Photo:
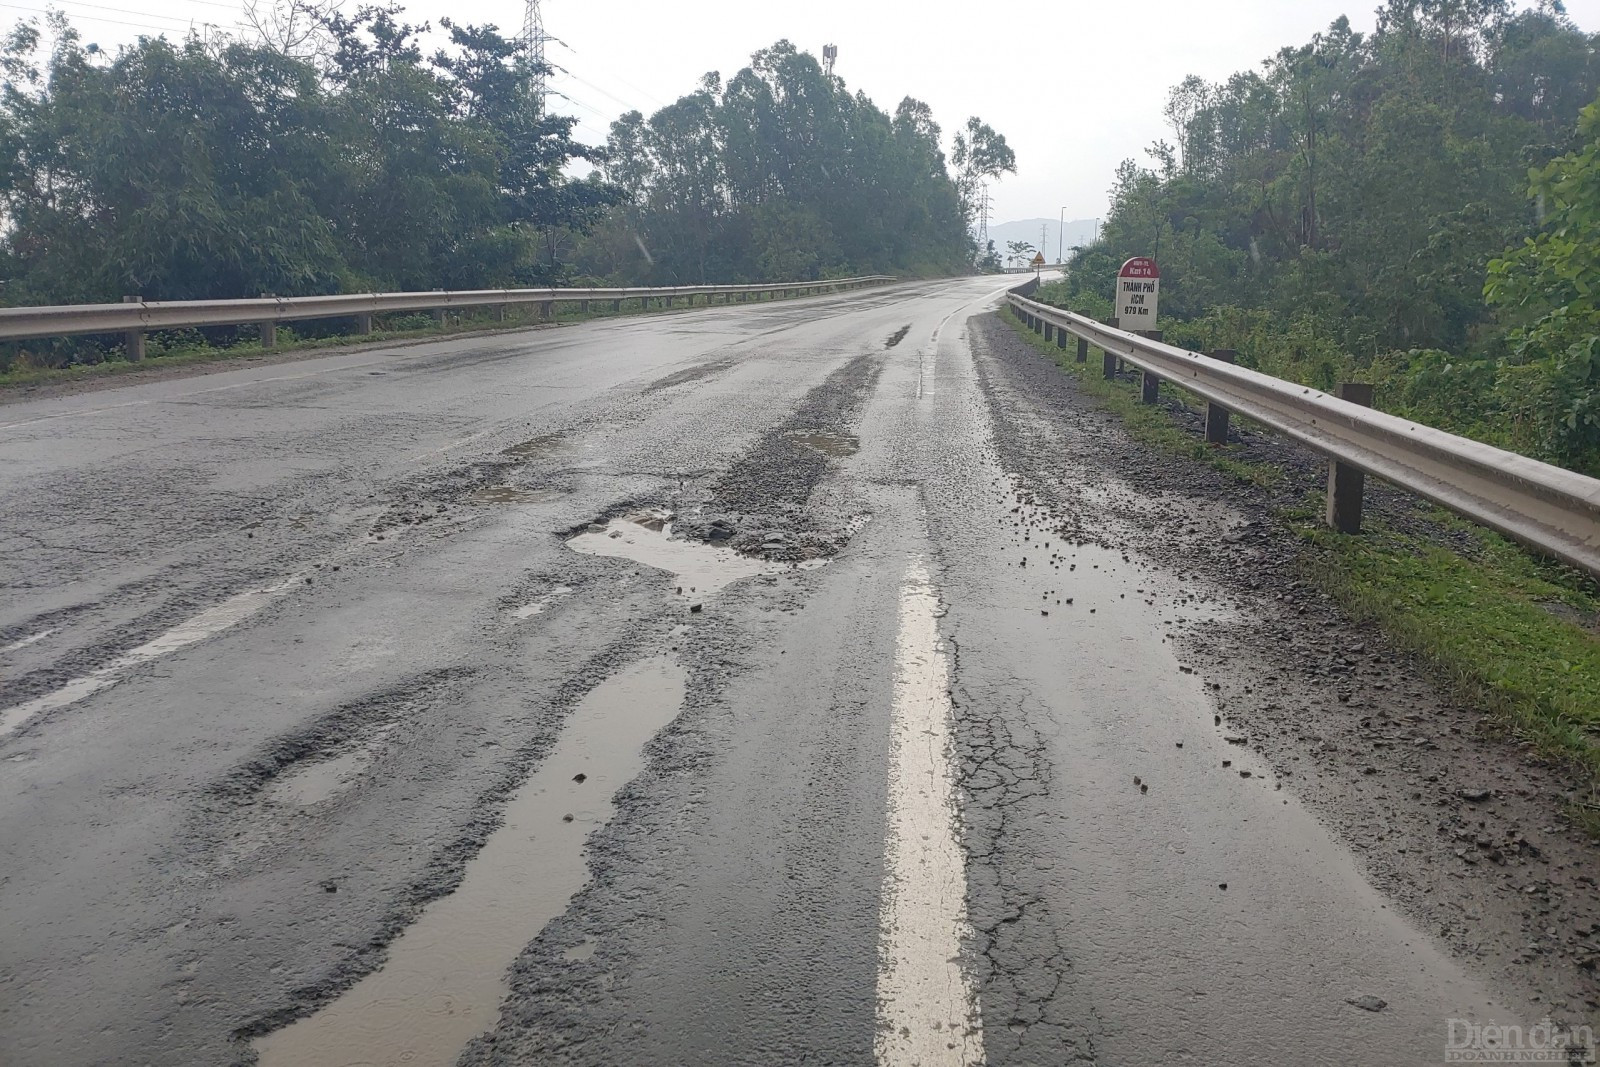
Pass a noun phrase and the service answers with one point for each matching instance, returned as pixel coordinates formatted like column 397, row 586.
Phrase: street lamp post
column 1061, row 228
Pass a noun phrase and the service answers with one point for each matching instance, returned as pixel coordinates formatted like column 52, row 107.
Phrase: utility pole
column 532, row 42
column 1044, row 236
column 1061, row 230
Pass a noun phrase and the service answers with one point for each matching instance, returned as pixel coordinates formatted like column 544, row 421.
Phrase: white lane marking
column 212, row 621
column 26, row 641
column 927, row 1008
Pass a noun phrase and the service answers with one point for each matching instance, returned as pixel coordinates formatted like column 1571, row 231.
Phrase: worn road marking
column 927, row 1009
column 26, row 641
column 212, row 621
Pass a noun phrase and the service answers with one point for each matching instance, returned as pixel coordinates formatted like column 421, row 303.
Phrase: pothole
column 445, row 975
column 534, row 607
column 701, row 569
column 535, row 447
column 828, row 443
column 510, row 494
column 316, row 782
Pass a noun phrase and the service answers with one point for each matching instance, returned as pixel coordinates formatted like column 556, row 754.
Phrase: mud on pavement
column 1448, row 816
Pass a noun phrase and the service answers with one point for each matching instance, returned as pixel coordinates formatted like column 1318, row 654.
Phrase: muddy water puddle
column 535, row 447
column 316, row 782
column 446, row 974
column 837, row 445
column 534, row 607
column 510, row 494
column 701, row 568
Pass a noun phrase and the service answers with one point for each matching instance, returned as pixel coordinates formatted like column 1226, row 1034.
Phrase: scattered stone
column 580, row 777
column 567, row 817
column 1368, row 1003
column 695, row 609
column 1474, row 796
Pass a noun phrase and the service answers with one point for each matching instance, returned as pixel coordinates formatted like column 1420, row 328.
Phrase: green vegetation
column 782, row 173
column 334, row 156
column 1506, row 632
column 1337, row 216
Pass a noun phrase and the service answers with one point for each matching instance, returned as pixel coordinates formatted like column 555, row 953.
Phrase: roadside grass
column 1502, row 629
column 186, row 347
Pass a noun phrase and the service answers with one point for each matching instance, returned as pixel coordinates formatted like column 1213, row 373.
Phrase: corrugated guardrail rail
column 134, row 316
column 1548, row 508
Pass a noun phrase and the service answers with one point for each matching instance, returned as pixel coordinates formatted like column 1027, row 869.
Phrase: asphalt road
column 694, row 689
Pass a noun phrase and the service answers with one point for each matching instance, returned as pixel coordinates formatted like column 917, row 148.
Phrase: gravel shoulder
column 1457, row 822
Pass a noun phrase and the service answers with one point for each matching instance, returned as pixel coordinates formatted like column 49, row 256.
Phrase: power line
column 625, row 103
column 125, row 11
column 116, row 22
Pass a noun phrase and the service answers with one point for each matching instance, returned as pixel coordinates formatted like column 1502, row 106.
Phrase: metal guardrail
column 1549, row 509
column 134, row 316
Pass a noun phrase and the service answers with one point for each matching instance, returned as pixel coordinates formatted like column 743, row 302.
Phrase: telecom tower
column 983, row 218
column 830, row 53
column 532, row 42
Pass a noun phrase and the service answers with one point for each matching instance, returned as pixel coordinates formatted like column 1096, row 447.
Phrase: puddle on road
column 446, row 974
column 320, row 781
column 534, row 607
column 702, row 569
column 535, row 447
column 510, row 494
column 838, row 445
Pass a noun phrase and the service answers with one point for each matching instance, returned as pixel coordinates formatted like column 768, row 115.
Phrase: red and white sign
column 1138, row 290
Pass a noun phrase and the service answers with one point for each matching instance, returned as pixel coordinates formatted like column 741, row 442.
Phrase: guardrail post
column 1346, row 484
column 583, row 307
column 1083, row 350
column 133, row 340
column 1216, row 414
column 364, row 323
column 616, row 305
column 268, row 330
column 1061, row 337
column 499, row 313
column 1049, row 331
column 547, row 310
column 1110, row 363
column 1149, row 384
column 439, row 313
column 669, row 301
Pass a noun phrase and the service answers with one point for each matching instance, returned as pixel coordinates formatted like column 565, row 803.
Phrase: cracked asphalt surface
column 282, row 643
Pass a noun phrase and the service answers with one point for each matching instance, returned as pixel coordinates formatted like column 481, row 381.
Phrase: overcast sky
column 1075, row 85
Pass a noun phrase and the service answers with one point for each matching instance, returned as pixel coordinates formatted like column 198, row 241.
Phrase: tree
column 197, row 169
column 778, row 171
column 1551, row 286
column 979, row 153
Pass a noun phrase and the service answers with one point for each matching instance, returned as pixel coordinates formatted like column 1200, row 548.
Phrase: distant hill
column 1075, row 232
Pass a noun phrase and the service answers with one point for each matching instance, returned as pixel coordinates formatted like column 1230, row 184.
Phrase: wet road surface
column 701, row 688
